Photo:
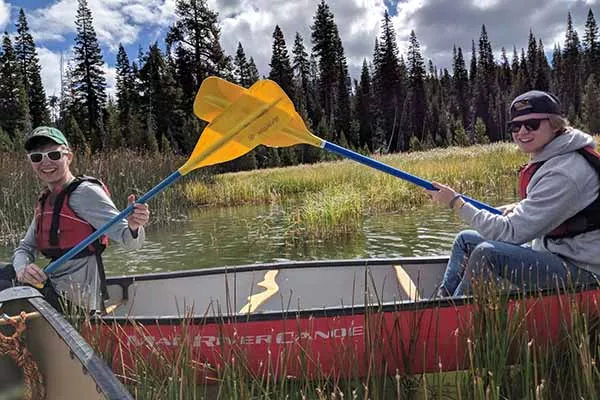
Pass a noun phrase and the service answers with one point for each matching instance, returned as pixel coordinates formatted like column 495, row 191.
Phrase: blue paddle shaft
column 334, row 148
column 123, row 214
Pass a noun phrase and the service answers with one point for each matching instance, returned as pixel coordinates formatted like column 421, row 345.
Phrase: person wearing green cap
column 553, row 233
column 67, row 211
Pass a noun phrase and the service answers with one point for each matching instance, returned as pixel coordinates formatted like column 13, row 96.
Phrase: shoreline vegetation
column 331, row 198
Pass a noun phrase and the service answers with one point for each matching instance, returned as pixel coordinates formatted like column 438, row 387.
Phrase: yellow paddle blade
column 253, row 116
column 216, row 95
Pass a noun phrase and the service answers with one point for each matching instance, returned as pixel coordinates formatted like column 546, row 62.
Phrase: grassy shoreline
column 332, row 197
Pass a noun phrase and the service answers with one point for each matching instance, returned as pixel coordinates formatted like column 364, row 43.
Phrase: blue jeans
column 474, row 258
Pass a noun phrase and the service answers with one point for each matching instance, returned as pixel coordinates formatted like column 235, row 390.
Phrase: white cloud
column 115, row 21
column 110, row 74
column 4, row 13
column 50, row 62
column 441, row 24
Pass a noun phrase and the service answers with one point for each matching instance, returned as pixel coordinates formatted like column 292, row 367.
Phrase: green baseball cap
column 45, row 132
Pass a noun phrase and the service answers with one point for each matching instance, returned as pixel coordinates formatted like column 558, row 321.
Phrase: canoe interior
column 275, row 288
column 69, row 367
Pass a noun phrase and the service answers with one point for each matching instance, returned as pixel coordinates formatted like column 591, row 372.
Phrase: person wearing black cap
column 67, row 211
column 553, row 233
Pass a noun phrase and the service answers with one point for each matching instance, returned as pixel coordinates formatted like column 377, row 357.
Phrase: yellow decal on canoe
column 406, row 283
column 258, row 299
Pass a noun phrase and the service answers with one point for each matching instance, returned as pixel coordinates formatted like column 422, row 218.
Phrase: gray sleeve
column 26, row 251
column 91, row 203
column 552, row 200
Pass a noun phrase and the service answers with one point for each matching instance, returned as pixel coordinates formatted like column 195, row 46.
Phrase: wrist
column 458, row 204
column 454, row 200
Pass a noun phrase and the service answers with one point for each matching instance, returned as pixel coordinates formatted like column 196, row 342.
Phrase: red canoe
column 336, row 318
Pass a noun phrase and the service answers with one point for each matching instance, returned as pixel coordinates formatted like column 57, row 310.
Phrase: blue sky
column 439, row 25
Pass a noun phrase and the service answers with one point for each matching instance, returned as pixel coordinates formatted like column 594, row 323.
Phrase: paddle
column 216, row 96
column 252, row 115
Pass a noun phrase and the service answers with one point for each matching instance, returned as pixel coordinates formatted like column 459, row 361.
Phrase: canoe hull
column 391, row 330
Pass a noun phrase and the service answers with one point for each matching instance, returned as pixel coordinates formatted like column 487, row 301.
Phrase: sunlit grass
column 477, row 171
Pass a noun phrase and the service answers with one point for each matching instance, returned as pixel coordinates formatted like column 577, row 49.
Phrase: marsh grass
column 123, row 171
column 332, row 198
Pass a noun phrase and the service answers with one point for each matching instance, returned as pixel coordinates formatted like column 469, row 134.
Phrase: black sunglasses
column 53, row 155
column 532, row 124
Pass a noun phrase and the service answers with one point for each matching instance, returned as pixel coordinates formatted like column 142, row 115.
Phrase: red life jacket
column 585, row 220
column 58, row 228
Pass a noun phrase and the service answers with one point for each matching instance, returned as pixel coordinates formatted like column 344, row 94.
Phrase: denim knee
column 480, row 258
column 467, row 237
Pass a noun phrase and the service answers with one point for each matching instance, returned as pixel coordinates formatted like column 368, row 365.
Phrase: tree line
column 399, row 103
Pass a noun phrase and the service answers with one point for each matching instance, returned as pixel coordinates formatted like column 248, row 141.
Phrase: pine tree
column 572, row 80
column 303, row 85
column 252, row 72
column 195, row 37
column 416, row 78
column 486, row 88
column 542, row 75
column 125, row 98
column 241, row 71
column 88, row 77
column 532, row 59
column 27, row 58
column 324, row 35
column 281, row 69
column 524, row 77
column 591, row 105
column 343, row 112
column 389, row 87
column 473, row 66
column 557, row 72
column 364, row 108
column 161, row 104
column 461, row 86
column 591, row 47
column 15, row 120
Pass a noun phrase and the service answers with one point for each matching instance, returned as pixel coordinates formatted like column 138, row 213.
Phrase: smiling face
column 530, row 140
column 53, row 173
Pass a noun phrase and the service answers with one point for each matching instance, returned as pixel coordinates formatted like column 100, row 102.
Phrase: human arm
column 92, row 204
column 552, row 200
column 24, row 257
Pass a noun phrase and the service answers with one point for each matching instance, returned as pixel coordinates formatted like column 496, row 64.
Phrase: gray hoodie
column 564, row 185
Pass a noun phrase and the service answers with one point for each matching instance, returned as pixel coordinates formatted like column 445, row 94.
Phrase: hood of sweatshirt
column 571, row 140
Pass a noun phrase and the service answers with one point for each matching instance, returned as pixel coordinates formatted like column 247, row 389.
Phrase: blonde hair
column 558, row 123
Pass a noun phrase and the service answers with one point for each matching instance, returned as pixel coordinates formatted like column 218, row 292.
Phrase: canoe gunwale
column 331, row 312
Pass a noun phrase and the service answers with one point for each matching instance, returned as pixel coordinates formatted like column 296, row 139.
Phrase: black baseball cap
column 534, row 102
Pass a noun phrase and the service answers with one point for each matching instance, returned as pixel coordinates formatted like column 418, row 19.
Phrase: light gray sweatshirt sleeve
column 26, row 252
column 91, row 203
column 555, row 199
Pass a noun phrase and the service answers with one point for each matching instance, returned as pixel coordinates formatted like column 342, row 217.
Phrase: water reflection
column 257, row 234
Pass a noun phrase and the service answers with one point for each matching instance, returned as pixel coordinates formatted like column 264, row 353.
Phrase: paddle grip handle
column 123, row 214
column 334, row 148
